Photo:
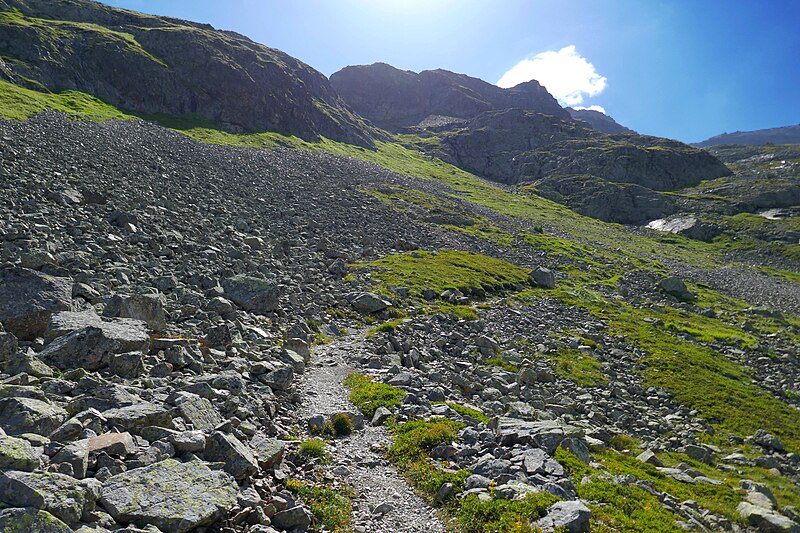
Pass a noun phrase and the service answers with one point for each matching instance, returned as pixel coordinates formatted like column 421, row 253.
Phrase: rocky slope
column 157, row 65
column 783, row 135
column 395, row 99
column 598, row 121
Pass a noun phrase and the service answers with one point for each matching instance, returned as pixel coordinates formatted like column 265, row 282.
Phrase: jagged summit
column 598, row 121
column 395, row 99
column 160, row 65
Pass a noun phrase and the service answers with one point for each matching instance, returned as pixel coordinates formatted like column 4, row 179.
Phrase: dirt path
column 374, row 478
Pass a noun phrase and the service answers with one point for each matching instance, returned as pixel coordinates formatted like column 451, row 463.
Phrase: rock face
column 149, row 64
column 196, row 496
column 394, row 99
column 28, row 298
column 598, row 121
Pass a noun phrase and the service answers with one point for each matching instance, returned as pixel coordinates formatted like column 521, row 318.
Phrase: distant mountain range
column 782, row 135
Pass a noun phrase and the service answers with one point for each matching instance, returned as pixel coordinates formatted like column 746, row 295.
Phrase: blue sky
column 681, row 69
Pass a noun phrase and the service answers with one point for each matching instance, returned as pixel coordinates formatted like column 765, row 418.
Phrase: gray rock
column 675, row 286
column 146, row 307
column 572, row 516
column 127, row 365
column 368, row 302
column 17, row 454
column 698, row 453
column 176, row 497
column 269, row 451
column 199, row 412
column 28, row 363
column 252, row 294
column 295, row 519
column 30, row 520
column 28, row 415
column 114, row 444
column 92, row 346
column 135, row 417
column 765, row 520
column 29, row 298
column 544, row 277
column 188, row 441
column 649, row 457
column 280, row 379
column 238, row 459
column 767, row 440
column 75, row 454
column 8, row 345
column 63, row 496
column 576, row 446
column 380, row 416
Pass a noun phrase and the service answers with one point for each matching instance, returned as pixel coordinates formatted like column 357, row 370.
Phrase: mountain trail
column 378, row 484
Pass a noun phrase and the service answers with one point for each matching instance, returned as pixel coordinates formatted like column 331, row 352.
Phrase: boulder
column 8, row 345
column 280, row 379
column 18, row 454
column 63, row 496
column 29, row 415
column 115, row 444
column 767, row 440
column 28, row 299
column 269, row 451
column 295, row 519
column 238, row 459
column 766, row 520
column 368, row 303
column 173, row 496
column 135, row 417
column 649, row 457
column 566, row 516
column 31, row 520
column 675, row 286
column 198, row 411
column 252, row 294
column 75, row 454
column 146, row 307
column 543, row 277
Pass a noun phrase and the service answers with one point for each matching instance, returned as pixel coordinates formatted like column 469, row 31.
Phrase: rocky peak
column 394, row 99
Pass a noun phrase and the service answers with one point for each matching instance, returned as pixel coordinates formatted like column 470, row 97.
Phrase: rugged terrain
column 783, row 135
column 256, row 332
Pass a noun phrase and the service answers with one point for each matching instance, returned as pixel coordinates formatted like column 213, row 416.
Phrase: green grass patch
column 463, row 410
column 331, row 507
column 312, row 448
column 19, row 103
column 367, row 395
column 582, row 368
column 470, row 273
column 499, row 362
column 502, row 516
column 413, row 440
column 459, row 312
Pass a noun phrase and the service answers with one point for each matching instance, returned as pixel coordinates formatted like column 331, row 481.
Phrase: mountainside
column 783, row 135
column 395, row 99
column 157, row 65
column 248, row 332
column 598, row 121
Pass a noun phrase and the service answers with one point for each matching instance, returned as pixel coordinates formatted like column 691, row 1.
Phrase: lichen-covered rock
column 269, row 451
column 30, row 520
column 173, row 496
column 367, row 302
column 28, row 299
column 63, row 496
column 199, row 412
column 17, row 454
column 568, row 516
column 29, row 415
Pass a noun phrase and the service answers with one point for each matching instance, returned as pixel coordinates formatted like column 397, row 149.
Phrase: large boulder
column 31, row 520
column 252, row 294
column 173, row 496
column 28, row 299
column 29, row 415
column 147, row 307
column 18, row 454
column 566, row 516
column 367, row 302
column 239, row 460
column 63, row 496
column 88, row 341
column 134, row 418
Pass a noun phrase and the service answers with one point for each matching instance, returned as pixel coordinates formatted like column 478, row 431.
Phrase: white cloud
column 591, row 108
column 566, row 74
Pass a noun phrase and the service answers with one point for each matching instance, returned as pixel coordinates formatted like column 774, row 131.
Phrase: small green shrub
column 463, row 410
column 413, row 440
column 342, row 424
column 312, row 448
column 622, row 442
column 332, row 507
column 499, row 362
column 367, row 395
